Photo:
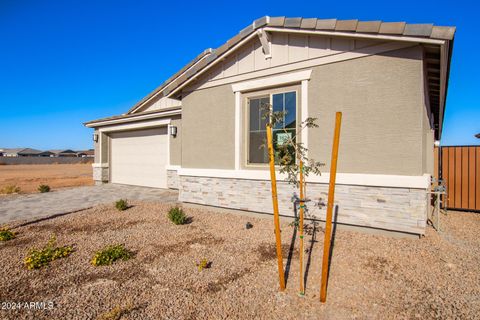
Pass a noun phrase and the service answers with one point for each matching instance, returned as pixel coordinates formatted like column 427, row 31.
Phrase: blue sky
column 66, row 62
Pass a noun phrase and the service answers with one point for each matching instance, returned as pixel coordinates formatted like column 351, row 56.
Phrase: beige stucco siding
column 208, row 118
column 428, row 144
column 176, row 143
column 96, row 147
column 381, row 100
column 382, row 131
column 101, row 147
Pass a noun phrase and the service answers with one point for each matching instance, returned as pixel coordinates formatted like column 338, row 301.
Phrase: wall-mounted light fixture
column 95, row 137
column 436, row 143
column 173, row 131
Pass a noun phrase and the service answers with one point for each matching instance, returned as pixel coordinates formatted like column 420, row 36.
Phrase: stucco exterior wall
column 176, row 142
column 96, row 148
column 101, row 147
column 381, row 99
column 208, row 118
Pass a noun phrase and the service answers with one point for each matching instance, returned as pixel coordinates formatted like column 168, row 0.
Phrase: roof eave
column 133, row 117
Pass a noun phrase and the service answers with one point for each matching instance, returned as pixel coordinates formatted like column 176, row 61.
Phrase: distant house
column 46, row 154
column 8, row 152
column 21, row 152
column 64, row 153
column 86, row 154
column 29, row 152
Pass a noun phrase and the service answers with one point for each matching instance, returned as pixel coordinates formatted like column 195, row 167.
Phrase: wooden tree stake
column 276, row 219
column 300, row 228
column 331, row 194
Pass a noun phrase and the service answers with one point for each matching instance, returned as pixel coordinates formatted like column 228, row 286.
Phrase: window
column 285, row 102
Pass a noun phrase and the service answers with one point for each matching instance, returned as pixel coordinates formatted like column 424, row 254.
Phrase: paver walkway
column 38, row 205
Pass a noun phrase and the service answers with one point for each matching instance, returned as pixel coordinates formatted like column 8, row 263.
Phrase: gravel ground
column 372, row 277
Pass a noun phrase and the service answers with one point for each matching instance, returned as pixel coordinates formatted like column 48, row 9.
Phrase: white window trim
column 247, row 126
column 284, row 79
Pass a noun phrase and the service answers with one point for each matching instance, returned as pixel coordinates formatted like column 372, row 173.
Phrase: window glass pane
column 254, row 112
column 290, row 109
column 264, row 102
column 256, row 154
column 278, row 106
column 282, row 102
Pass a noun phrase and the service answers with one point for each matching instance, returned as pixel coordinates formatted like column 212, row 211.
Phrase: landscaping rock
column 371, row 276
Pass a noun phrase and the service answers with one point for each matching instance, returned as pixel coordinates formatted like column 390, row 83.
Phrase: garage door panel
column 140, row 157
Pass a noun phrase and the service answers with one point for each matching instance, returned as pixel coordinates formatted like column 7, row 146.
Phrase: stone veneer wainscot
column 399, row 209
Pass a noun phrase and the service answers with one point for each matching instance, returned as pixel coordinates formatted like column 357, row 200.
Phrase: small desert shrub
column 203, row 264
column 40, row 258
column 43, row 188
column 110, row 254
column 10, row 189
column 117, row 312
column 121, row 204
column 6, row 234
column 177, row 216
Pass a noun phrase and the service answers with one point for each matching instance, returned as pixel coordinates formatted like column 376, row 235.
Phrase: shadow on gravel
column 50, row 217
column 332, row 242
column 312, row 231
column 292, row 247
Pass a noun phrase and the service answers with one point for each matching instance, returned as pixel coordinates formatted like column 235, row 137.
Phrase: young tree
column 292, row 157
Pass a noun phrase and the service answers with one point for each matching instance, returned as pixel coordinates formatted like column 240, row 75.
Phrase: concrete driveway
column 40, row 205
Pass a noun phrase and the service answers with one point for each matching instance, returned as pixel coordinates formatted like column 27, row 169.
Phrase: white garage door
column 139, row 157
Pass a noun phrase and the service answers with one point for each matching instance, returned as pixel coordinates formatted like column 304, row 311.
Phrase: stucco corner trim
column 282, row 79
column 359, row 179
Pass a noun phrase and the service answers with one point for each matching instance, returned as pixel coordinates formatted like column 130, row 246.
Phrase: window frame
column 246, row 118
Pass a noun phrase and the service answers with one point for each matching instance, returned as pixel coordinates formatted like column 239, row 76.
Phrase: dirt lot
column 29, row 177
column 372, row 277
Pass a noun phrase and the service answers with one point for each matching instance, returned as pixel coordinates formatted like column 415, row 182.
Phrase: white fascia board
column 360, row 179
column 282, row 79
column 136, row 125
column 359, row 35
column 140, row 117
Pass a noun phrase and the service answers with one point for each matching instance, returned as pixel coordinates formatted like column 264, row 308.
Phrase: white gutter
column 443, row 85
column 136, row 118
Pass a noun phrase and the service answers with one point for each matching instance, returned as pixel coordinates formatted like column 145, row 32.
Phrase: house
column 11, row 152
column 64, row 153
column 21, row 152
column 46, row 154
column 200, row 131
column 86, row 153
